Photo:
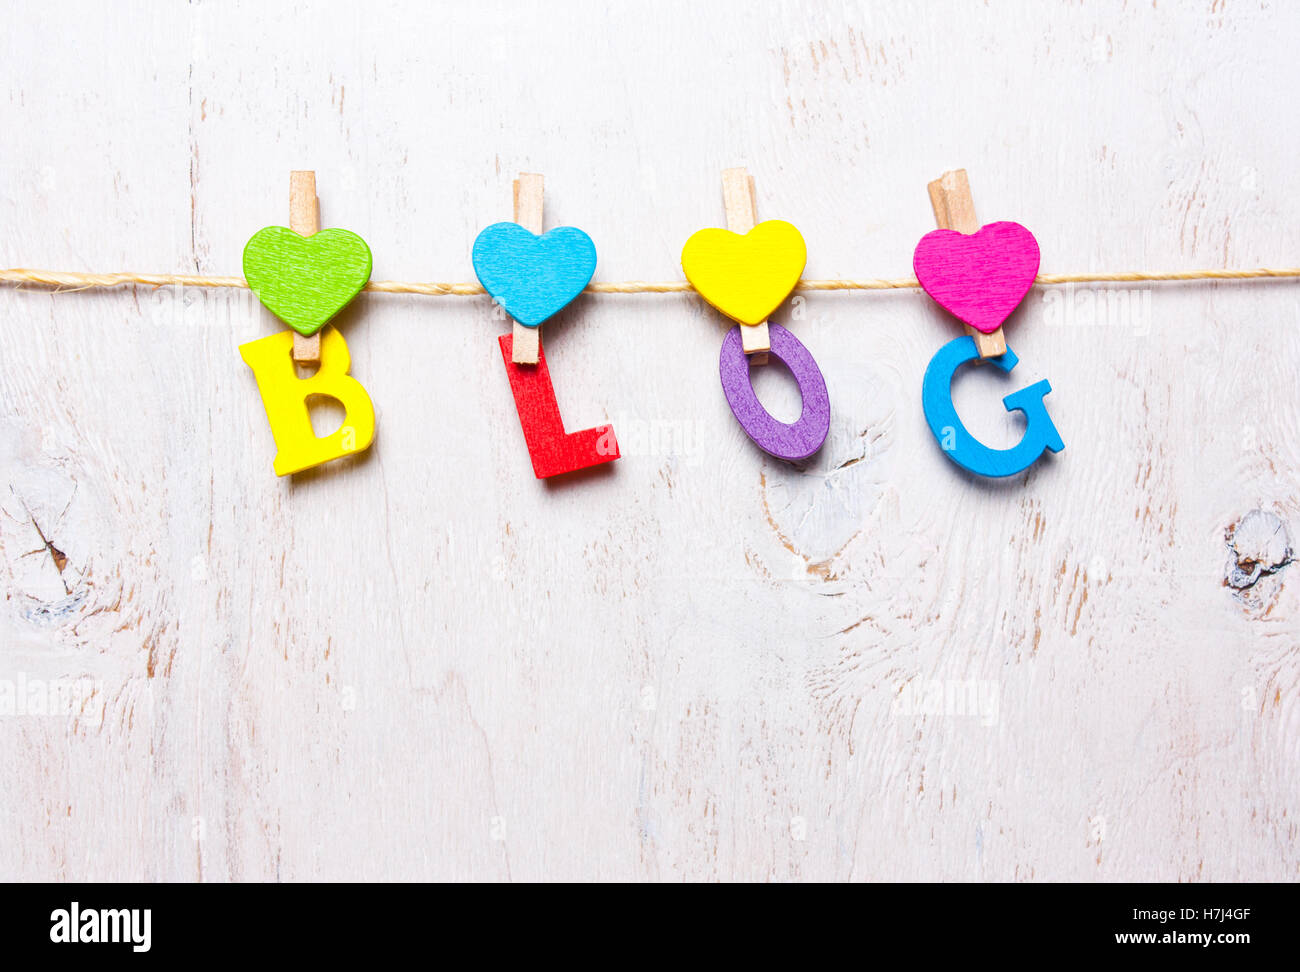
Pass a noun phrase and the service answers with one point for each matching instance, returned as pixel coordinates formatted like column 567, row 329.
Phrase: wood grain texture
column 705, row 664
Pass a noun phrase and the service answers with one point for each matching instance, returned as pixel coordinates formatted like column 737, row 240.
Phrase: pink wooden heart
column 979, row 278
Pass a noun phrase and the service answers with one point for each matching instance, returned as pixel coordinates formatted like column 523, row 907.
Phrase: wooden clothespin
column 304, row 219
column 954, row 209
column 529, row 193
column 740, row 202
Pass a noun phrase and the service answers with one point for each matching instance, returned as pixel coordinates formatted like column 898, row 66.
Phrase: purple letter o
column 790, row 442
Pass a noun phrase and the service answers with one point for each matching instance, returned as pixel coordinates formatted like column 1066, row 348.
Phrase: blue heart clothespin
column 533, row 277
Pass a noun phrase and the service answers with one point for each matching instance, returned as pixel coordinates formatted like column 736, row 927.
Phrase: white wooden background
column 702, row 664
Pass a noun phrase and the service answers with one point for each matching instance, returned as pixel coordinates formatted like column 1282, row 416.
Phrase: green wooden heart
column 306, row 280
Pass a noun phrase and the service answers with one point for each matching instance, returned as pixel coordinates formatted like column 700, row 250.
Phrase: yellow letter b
column 285, row 395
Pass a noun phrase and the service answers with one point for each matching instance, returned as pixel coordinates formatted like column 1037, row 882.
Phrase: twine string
column 65, row 281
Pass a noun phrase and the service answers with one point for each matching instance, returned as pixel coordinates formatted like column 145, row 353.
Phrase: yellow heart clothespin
column 746, row 270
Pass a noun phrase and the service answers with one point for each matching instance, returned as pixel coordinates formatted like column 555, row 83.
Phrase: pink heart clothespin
column 980, row 274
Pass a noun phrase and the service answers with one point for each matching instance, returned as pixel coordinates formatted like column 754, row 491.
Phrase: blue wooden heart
column 533, row 277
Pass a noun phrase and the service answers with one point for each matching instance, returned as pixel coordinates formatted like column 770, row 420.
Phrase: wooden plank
column 304, row 219
column 954, row 209
column 470, row 674
column 529, row 195
column 741, row 205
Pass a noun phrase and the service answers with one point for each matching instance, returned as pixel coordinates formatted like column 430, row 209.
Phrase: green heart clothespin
column 302, row 274
column 305, row 277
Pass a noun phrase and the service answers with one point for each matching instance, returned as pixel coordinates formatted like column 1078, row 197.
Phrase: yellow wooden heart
column 746, row 277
